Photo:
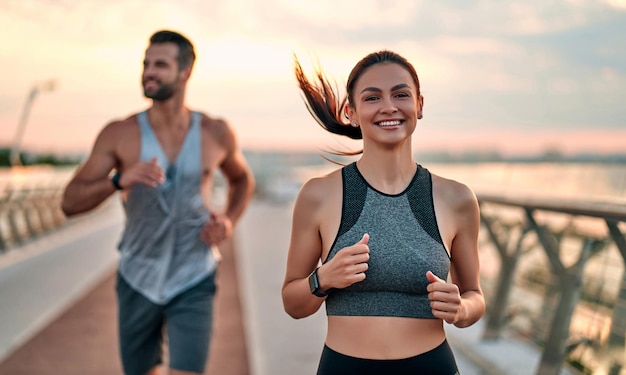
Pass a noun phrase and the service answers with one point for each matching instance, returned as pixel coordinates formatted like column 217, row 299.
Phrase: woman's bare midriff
column 377, row 337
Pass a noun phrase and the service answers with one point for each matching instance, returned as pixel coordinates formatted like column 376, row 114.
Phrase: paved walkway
column 83, row 340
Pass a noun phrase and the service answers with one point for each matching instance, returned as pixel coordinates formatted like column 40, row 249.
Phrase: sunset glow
column 494, row 75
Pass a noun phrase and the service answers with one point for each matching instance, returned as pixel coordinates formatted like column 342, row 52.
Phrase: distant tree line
column 31, row 158
column 312, row 158
column 548, row 156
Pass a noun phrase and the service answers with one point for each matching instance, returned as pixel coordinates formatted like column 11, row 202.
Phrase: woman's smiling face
column 385, row 103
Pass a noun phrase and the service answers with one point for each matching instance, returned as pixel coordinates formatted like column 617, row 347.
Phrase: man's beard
column 164, row 92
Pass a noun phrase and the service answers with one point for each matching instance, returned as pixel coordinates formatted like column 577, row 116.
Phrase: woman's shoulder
column 453, row 191
column 319, row 188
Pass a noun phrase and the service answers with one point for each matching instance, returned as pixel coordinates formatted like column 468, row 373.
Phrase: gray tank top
column 404, row 244
column 161, row 251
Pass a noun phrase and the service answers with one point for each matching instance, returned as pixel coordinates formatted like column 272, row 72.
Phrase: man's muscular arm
column 240, row 183
column 90, row 185
column 240, row 188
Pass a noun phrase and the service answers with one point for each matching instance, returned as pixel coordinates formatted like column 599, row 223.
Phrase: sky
column 516, row 77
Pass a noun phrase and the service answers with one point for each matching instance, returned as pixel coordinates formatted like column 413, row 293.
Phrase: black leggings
column 438, row 361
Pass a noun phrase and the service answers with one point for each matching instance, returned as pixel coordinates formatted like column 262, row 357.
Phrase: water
column 571, row 180
column 34, row 177
column 586, row 181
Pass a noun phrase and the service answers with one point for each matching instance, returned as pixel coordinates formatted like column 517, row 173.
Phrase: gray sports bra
column 404, row 244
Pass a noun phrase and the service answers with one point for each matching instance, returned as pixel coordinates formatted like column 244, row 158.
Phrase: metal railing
column 26, row 213
column 554, row 257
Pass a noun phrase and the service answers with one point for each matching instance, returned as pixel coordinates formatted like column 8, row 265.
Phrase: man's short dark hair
column 186, row 54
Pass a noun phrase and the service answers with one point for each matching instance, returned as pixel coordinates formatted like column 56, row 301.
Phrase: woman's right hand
column 347, row 267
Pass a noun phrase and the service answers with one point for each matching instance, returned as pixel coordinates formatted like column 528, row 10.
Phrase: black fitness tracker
column 116, row 181
column 314, row 285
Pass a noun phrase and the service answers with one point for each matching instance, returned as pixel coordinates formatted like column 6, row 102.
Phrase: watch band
column 116, row 181
column 314, row 285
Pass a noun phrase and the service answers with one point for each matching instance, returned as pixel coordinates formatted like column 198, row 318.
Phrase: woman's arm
column 305, row 249
column 465, row 266
column 461, row 302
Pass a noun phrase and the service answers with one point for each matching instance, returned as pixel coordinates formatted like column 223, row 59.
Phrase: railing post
column 617, row 333
column 3, row 242
column 497, row 316
column 30, row 215
column 14, row 210
column 569, row 282
column 57, row 215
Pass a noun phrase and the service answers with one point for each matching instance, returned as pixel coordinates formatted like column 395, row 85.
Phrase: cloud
column 488, row 65
column 618, row 4
column 347, row 15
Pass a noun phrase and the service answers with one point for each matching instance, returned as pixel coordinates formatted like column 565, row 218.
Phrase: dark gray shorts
column 185, row 322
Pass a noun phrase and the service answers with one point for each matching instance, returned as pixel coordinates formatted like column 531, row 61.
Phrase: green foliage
column 5, row 157
column 28, row 158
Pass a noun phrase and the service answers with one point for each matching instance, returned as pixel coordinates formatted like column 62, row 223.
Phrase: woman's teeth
column 389, row 123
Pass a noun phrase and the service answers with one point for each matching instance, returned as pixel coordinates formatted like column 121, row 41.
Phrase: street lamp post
column 15, row 148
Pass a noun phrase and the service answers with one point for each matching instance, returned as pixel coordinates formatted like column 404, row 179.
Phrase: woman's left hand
column 445, row 299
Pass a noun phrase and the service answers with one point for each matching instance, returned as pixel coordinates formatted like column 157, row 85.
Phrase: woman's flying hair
column 325, row 105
